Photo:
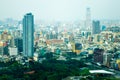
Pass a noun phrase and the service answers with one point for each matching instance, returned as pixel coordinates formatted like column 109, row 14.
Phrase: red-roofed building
column 54, row 41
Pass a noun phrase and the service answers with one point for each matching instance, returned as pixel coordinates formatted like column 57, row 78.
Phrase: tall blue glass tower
column 28, row 35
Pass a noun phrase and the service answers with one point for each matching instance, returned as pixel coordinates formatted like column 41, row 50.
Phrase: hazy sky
column 60, row 9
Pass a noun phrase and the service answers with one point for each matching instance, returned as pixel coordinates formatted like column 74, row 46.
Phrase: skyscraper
column 88, row 19
column 28, row 35
column 96, row 27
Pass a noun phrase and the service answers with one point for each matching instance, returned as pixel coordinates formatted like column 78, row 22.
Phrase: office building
column 103, row 28
column 19, row 44
column 98, row 55
column 88, row 19
column 28, row 35
column 96, row 27
column 78, row 47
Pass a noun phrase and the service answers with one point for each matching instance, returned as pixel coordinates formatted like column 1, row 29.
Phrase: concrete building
column 98, row 55
column 106, row 59
column 13, row 51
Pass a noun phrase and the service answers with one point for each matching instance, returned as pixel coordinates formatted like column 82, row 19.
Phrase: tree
column 84, row 72
column 6, row 77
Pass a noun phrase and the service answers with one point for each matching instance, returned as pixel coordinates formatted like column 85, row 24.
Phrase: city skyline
column 60, row 10
column 60, row 40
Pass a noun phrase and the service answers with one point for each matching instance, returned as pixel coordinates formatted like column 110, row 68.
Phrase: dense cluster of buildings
column 101, row 39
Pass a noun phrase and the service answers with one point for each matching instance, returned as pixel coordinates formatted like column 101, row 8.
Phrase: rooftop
column 100, row 72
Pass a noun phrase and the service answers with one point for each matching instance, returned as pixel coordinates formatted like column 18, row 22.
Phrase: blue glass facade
column 28, row 35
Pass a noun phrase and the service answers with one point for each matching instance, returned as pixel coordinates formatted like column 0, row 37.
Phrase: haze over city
column 60, row 10
column 59, row 40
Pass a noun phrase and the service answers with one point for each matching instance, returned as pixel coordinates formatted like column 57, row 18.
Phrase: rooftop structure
column 101, row 72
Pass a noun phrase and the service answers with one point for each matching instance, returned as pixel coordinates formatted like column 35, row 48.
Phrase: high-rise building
column 96, row 27
column 19, row 44
column 98, row 55
column 88, row 19
column 28, row 35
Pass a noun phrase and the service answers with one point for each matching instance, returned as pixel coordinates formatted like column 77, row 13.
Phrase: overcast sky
column 60, row 9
